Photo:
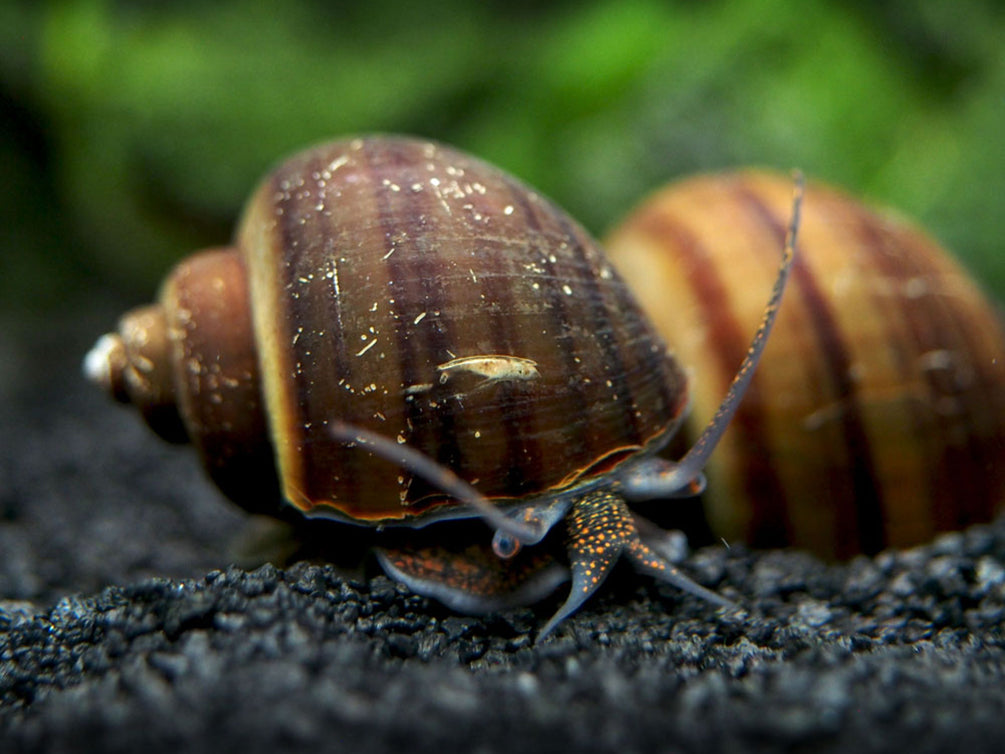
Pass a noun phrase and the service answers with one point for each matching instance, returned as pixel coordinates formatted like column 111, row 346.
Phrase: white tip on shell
column 98, row 361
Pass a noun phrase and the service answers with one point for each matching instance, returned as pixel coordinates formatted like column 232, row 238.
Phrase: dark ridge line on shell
column 978, row 460
column 290, row 228
column 868, row 527
column 438, row 431
column 522, row 464
column 962, row 496
column 341, row 359
column 524, row 458
column 770, row 524
column 644, row 336
column 863, row 225
column 559, row 312
column 604, row 330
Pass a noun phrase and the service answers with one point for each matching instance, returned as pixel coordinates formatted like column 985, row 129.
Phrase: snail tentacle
column 440, row 476
column 651, row 478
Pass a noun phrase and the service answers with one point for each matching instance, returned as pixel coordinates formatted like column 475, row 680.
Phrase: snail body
column 401, row 334
column 877, row 417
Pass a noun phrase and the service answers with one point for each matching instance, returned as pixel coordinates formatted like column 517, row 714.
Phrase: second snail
column 877, row 416
column 403, row 336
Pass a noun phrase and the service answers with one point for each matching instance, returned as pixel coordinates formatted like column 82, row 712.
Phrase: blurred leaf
column 149, row 123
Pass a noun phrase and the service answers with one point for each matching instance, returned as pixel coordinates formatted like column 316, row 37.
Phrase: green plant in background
column 135, row 131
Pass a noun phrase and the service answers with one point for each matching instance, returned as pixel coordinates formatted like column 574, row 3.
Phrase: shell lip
column 410, row 520
column 439, row 508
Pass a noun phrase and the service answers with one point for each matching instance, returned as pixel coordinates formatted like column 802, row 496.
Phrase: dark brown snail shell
column 877, row 416
column 403, row 287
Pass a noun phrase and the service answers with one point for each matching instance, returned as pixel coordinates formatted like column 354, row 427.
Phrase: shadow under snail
column 403, row 334
column 877, row 417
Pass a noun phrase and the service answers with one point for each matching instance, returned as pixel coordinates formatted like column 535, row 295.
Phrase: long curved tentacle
column 440, row 476
column 658, row 478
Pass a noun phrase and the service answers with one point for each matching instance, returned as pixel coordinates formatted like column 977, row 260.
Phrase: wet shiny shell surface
column 877, row 415
column 411, row 289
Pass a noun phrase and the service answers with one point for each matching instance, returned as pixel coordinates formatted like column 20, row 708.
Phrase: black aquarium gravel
column 124, row 626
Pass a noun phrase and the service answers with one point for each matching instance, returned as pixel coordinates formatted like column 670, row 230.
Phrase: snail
column 877, row 417
column 403, row 335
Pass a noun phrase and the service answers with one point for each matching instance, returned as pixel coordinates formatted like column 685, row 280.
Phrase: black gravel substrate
column 123, row 626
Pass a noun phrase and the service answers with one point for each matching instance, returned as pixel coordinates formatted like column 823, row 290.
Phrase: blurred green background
column 133, row 131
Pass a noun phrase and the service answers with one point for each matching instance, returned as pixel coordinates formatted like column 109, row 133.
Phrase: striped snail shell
column 393, row 299
column 877, row 417
column 403, row 287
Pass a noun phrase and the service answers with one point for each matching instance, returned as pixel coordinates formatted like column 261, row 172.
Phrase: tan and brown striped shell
column 404, row 287
column 877, row 416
